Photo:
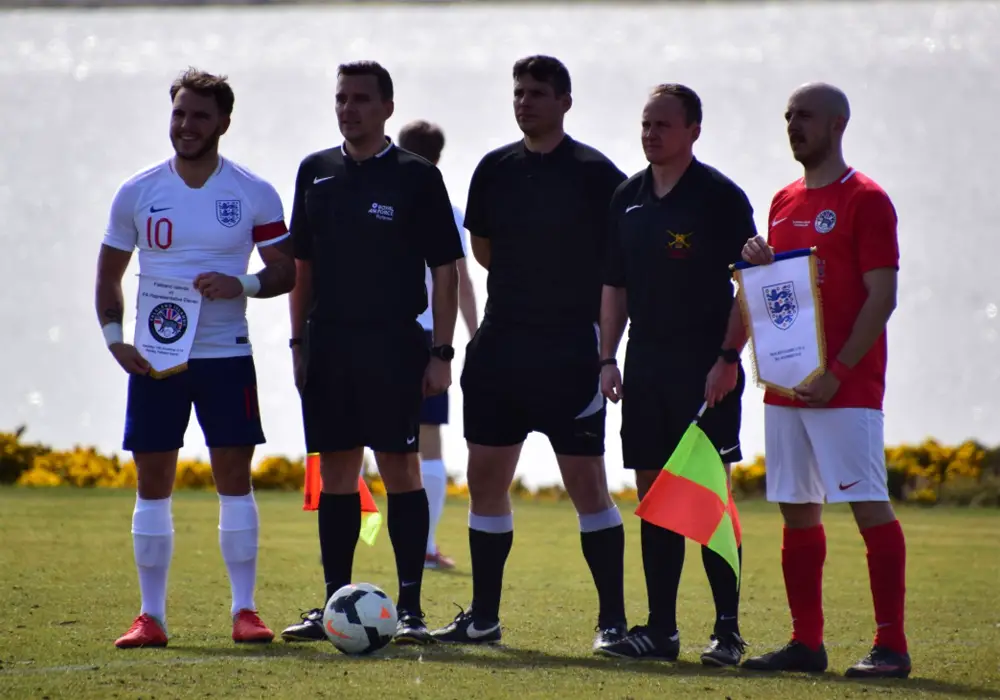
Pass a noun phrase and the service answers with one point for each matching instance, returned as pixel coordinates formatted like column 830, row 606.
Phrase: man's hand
column 756, row 251
column 721, row 380
column 214, row 285
column 611, row 383
column 819, row 391
column 129, row 358
column 437, row 377
column 299, row 368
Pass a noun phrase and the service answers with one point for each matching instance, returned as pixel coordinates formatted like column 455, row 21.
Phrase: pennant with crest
column 782, row 311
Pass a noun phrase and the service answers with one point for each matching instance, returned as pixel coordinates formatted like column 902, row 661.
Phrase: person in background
column 427, row 140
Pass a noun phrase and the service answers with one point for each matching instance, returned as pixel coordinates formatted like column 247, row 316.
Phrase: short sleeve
column 874, row 225
column 737, row 224
column 460, row 225
column 771, row 216
column 299, row 224
column 439, row 237
column 121, row 232
column 477, row 214
column 614, row 259
column 269, row 216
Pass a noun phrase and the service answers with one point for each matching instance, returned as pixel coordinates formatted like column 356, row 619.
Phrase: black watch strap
column 730, row 355
column 443, row 352
column 611, row 361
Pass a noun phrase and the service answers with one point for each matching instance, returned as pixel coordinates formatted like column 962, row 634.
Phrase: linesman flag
column 691, row 497
column 371, row 518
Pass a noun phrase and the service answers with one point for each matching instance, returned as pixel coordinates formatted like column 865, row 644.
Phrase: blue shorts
column 223, row 392
column 434, row 409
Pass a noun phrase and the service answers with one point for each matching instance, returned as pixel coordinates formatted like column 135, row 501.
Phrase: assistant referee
column 676, row 227
column 366, row 219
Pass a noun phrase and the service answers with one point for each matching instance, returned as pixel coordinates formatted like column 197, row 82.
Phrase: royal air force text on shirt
column 382, row 212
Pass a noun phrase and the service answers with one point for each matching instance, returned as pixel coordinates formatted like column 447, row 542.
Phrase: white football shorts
column 832, row 455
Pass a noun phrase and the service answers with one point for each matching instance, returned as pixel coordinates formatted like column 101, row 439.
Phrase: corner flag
column 691, row 497
column 371, row 518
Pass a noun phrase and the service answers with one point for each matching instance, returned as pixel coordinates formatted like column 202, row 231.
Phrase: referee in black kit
column 538, row 218
column 676, row 227
column 366, row 218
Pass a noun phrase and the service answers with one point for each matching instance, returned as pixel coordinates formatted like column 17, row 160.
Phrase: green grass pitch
column 68, row 589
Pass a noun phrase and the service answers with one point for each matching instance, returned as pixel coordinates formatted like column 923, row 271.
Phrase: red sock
column 887, row 573
column 803, row 553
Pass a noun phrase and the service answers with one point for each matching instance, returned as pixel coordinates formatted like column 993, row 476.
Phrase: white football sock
column 153, row 545
column 436, row 485
column 238, row 534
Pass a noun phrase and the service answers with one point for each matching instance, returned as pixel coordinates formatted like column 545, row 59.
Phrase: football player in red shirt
column 827, row 443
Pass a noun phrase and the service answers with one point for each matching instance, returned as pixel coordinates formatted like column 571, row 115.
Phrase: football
column 359, row 619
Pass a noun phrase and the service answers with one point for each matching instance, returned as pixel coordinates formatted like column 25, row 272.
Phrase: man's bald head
column 830, row 99
column 817, row 116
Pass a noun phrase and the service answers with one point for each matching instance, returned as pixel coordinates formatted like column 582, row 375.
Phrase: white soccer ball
column 359, row 618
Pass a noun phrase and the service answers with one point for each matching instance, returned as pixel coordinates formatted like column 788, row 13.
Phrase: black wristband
column 609, row 362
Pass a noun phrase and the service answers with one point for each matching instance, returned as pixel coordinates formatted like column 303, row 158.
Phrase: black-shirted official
column 366, row 219
column 537, row 213
column 676, row 228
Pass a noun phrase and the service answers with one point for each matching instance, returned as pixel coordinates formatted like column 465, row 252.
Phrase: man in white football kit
column 427, row 140
column 195, row 219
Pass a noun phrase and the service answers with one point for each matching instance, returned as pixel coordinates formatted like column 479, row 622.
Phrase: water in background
column 85, row 104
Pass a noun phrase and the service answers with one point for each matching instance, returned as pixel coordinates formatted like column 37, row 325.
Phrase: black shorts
column 520, row 380
column 662, row 394
column 364, row 387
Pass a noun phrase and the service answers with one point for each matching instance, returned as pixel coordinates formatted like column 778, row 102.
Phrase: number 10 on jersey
column 160, row 234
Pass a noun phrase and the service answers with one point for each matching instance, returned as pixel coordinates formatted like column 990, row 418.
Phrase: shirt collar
column 389, row 145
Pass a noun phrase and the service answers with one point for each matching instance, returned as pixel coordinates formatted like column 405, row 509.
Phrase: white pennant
column 783, row 314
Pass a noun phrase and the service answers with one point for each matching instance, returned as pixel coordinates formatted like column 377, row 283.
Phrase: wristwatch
column 610, row 361
column 731, row 356
column 443, row 352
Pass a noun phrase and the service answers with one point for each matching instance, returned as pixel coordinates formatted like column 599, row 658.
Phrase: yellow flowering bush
column 967, row 474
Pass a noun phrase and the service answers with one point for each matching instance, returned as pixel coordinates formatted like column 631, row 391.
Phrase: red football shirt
column 852, row 224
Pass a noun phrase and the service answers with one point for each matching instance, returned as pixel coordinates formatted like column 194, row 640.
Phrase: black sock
column 722, row 579
column 409, row 520
column 604, row 551
column 339, row 528
column 489, row 552
column 662, row 561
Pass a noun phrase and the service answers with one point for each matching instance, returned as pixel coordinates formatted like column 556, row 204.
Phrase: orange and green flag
column 371, row 518
column 691, row 497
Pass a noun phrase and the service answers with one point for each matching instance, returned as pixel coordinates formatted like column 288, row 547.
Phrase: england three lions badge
column 228, row 212
column 782, row 306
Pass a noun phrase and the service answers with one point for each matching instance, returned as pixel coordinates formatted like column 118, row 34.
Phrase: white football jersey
column 182, row 232
column 426, row 319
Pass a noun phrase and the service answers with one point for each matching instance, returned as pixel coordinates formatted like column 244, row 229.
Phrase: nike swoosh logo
column 729, row 449
column 634, row 206
column 153, row 210
column 474, row 632
column 777, row 221
column 317, row 180
column 844, row 487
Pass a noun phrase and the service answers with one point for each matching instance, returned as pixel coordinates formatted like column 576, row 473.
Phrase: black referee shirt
column 672, row 255
column 546, row 217
column 368, row 228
